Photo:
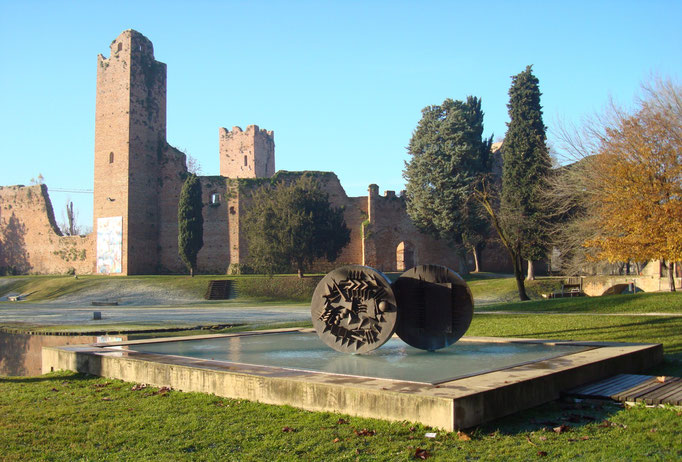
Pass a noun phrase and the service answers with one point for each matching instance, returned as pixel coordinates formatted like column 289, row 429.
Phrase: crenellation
column 247, row 153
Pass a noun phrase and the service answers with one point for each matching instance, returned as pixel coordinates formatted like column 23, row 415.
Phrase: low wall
column 598, row 285
column 30, row 240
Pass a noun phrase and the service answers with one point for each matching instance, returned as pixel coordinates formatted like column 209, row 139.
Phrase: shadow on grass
column 554, row 417
column 56, row 377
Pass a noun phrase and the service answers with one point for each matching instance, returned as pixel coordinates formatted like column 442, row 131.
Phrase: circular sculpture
column 353, row 309
column 435, row 307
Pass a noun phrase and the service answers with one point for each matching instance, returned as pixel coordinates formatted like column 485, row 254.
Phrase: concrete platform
column 452, row 405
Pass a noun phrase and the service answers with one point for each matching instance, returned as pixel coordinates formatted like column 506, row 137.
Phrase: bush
column 239, row 268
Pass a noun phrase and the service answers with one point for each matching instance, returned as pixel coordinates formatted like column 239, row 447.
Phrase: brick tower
column 130, row 139
column 247, row 154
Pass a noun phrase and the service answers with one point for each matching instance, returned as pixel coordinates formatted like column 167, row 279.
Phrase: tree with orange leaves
column 635, row 184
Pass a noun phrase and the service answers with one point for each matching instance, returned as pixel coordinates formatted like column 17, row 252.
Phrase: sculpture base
column 451, row 405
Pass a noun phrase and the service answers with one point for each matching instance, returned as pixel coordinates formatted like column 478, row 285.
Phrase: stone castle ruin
column 137, row 182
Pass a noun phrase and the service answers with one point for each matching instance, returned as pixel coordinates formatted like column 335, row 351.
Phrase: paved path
column 196, row 314
column 186, row 315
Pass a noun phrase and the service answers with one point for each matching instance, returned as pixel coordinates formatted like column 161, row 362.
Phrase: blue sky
column 342, row 84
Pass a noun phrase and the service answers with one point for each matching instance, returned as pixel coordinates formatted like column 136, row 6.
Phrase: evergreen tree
column 525, row 169
column 291, row 225
column 448, row 157
column 190, row 223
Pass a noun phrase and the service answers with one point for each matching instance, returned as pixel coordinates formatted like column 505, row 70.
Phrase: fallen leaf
column 336, row 440
column 412, row 429
column 138, row 386
column 342, row 422
column 653, row 430
column 542, row 438
column 288, row 430
column 584, row 438
column 54, row 389
column 421, row 454
column 608, row 423
column 162, row 391
column 530, row 441
column 463, row 436
column 106, row 399
column 542, row 453
column 561, row 429
column 661, row 378
column 365, row 432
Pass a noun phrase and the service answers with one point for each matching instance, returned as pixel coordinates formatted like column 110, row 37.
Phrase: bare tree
column 193, row 165
column 69, row 225
column 40, row 179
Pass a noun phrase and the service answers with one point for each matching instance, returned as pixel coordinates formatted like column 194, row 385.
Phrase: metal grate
column 634, row 388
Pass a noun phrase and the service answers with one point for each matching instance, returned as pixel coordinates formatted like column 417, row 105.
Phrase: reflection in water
column 394, row 360
column 21, row 354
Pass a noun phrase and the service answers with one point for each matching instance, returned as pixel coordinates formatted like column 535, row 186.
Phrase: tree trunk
column 518, row 274
column 671, row 276
column 531, row 271
column 191, row 271
column 300, row 273
column 462, row 263
column 475, row 252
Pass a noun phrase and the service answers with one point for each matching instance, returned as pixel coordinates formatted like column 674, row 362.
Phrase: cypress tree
column 526, row 165
column 190, row 222
column 448, row 157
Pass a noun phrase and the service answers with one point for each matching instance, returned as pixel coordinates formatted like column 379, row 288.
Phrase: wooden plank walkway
column 634, row 388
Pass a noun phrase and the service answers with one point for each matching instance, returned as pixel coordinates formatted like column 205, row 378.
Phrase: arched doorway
column 404, row 256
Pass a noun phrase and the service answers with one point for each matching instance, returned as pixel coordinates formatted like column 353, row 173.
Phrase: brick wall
column 30, row 241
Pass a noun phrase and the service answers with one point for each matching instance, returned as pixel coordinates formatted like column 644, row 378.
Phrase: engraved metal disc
column 353, row 309
column 435, row 307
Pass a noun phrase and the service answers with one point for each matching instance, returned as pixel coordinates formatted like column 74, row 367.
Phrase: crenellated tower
column 247, row 154
column 130, row 140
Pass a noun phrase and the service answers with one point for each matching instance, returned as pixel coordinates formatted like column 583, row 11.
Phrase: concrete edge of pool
column 452, row 405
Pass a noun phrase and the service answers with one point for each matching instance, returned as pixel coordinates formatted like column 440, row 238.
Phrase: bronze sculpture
column 355, row 309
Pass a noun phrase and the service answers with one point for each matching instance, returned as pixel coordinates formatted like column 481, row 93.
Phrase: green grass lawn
column 659, row 302
column 48, row 288
column 279, row 287
column 491, row 287
column 486, row 287
column 67, row 416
